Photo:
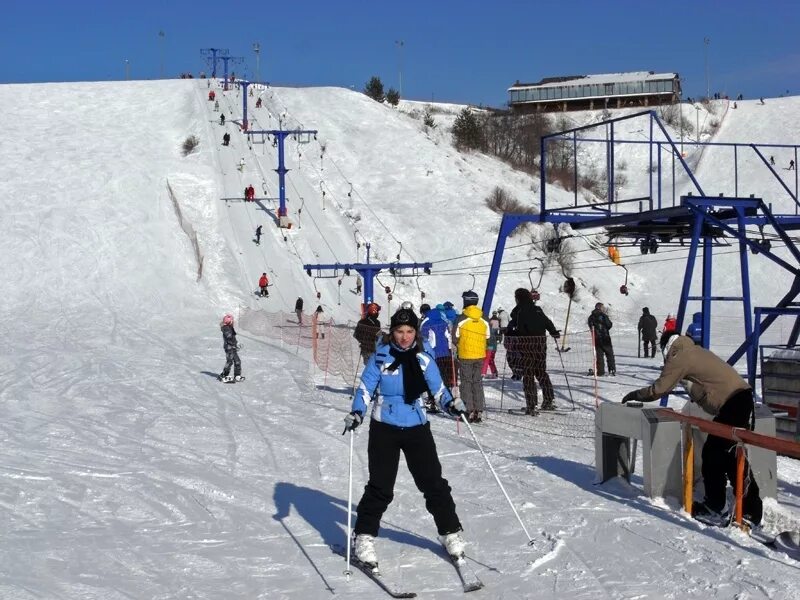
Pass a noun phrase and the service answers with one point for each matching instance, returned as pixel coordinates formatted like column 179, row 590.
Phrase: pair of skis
column 469, row 580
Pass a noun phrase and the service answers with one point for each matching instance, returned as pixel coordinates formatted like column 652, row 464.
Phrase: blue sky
column 465, row 51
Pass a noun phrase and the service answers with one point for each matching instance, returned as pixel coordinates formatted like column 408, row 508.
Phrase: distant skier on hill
column 647, row 330
column 263, row 283
column 601, row 325
column 222, row 119
column 258, row 235
column 298, row 310
column 791, row 165
column 226, row 139
column 367, row 331
column 231, row 346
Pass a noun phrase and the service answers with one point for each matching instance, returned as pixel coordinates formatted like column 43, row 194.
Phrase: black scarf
column 414, row 383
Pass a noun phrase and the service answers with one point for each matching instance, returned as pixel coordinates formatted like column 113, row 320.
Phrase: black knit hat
column 404, row 316
column 470, row 298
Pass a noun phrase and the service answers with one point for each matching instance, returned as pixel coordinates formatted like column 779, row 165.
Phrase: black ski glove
column 633, row 396
column 352, row 421
column 557, row 334
column 456, row 408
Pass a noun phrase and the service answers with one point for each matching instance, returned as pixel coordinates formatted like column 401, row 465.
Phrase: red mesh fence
column 523, row 371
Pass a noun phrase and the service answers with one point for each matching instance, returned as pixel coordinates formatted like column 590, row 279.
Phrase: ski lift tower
column 212, row 55
column 279, row 136
column 226, row 59
column 369, row 271
column 244, row 83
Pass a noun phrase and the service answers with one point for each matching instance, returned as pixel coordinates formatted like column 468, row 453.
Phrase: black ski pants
column 383, row 450
column 535, row 367
column 232, row 358
column 652, row 343
column 719, row 459
column 604, row 350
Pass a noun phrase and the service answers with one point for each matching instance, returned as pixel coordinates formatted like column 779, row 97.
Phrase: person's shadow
column 328, row 515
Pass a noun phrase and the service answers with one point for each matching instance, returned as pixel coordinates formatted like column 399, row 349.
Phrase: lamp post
column 399, row 44
column 706, row 42
column 257, row 50
column 161, row 36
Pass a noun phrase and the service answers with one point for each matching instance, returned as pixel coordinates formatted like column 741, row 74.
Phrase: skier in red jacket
column 262, row 284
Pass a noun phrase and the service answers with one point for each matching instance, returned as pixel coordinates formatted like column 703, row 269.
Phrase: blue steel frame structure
column 212, row 55
column 280, row 136
column 699, row 219
column 369, row 271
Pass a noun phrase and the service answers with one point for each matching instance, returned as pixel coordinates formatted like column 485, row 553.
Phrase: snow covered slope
column 129, row 472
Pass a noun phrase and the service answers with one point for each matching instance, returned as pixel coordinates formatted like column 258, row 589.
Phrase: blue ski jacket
column 386, row 387
column 436, row 332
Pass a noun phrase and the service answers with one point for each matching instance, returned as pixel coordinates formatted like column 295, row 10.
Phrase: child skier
column 231, row 347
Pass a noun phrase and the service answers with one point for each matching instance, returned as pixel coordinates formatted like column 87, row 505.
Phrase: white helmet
column 407, row 305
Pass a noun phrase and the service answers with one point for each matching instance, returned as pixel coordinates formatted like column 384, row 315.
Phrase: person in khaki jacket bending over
column 720, row 391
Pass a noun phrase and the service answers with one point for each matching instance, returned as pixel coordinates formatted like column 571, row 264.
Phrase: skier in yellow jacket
column 471, row 332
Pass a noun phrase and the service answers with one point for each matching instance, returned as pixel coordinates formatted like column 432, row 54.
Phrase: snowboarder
column 601, row 325
column 211, row 95
column 222, row 119
column 258, row 103
column 367, row 331
column 258, row 235
column 529, row 339
column 791, row 165
column 647, row 331
column 398, row 373
column 772, row 160
column 226, row 139
column 231, row 347
column 263, row 283
column 470, row 333
column 298, row 310
column 720, row 391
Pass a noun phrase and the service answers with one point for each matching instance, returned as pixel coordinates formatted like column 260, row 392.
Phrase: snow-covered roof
column 597, row 79
column 785, row 354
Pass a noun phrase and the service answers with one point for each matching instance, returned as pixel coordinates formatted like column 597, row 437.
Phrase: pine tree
column 468, row 132
column 393, row 96
column 374, row 89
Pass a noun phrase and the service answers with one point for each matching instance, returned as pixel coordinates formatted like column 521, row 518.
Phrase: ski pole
column 347, row 571
column 566, row 324
column 639, row 348
column 564, row 370
column 496, row 478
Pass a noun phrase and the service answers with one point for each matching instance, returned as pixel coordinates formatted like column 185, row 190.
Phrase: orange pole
column 688, row 469
column 739, row 483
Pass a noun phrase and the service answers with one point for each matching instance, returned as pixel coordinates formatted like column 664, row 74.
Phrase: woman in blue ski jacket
column 399, row 373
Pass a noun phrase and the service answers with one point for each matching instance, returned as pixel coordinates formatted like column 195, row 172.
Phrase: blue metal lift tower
column 278, row 138
column 212, row 54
